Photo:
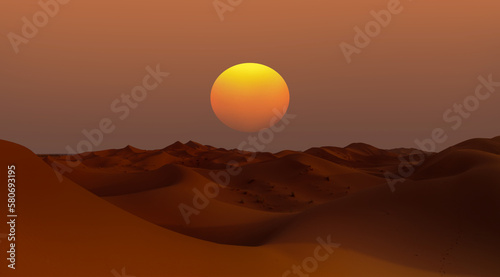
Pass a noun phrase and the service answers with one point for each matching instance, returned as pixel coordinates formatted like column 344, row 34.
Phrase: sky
column 86, row 55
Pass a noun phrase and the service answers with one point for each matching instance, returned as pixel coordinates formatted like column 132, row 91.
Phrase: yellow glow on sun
column 246, row 97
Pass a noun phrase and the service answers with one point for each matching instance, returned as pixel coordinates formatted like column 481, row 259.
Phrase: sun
column 249, row 97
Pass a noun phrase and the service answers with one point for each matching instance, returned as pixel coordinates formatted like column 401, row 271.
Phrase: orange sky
column 396, row 90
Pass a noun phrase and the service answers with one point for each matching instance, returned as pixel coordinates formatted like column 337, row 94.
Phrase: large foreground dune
column 119, row 210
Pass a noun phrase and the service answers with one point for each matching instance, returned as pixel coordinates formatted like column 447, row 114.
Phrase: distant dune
column 119, row 208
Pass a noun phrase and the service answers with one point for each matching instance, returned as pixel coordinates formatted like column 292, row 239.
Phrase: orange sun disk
column 249, row 97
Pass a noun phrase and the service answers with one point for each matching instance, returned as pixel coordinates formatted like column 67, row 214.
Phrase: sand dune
column 460, row 158
column 268, row 182
column 448, row 225
column 442, row 222
column 64, row 230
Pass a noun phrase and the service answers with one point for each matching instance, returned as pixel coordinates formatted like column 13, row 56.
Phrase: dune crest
column 442, row 221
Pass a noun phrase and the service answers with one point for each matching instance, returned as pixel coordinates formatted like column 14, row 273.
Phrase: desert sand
column 119, row 209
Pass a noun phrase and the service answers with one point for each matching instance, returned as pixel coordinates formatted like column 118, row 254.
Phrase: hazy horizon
column 396, row 90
